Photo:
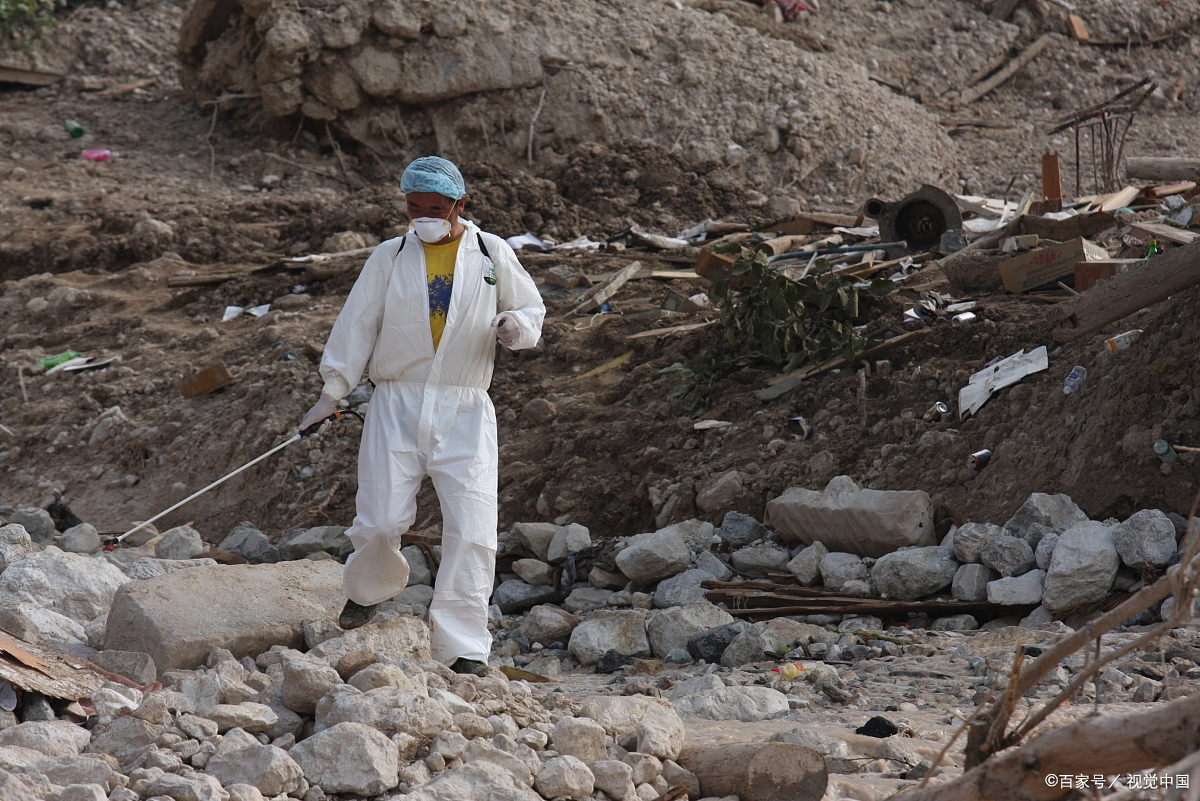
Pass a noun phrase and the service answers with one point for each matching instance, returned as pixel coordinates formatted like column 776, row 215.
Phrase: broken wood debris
column 597, row 295
column 1009, row 70
column 766, row 599
column 35, row 669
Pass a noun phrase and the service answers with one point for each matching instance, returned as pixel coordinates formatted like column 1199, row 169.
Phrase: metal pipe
column 837, row 250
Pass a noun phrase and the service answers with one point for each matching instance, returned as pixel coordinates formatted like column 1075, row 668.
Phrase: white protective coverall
column 431, row 415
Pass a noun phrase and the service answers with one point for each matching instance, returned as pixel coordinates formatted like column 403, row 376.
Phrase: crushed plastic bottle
column 99, row 155
column 794, row 670
column 1074, row 380
column 1123, row 341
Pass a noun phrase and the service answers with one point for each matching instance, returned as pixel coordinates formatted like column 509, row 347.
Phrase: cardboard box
column 1047, row 265
column 1090, row 273
column 210, row 379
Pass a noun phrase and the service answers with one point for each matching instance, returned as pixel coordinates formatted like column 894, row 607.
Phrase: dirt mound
column 406, row 77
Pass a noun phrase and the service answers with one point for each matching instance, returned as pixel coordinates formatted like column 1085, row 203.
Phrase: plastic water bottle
column 98, row 155
column 1074, row 380
column 73, row 128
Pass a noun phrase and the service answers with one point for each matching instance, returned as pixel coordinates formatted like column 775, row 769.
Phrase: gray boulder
column 266, row 767
column 181, row 617
column 761, row 559
column 746, row 704
column 1008, row 556
column 534, row 572
column 656, row 555
column 710, row 562
column 970, row 540
column 622, row 631
column 181, row 542
column 1026, row 589
column 914, row 572
column 82, row 538
column 848, row 518
column 1054, row 512
column 568, row 540
column 806, row 565
column 1146, row 539
column 248, row 542
column 970, row 583
column 774, row 637
column 682, row 589
column 38, row 524
column 587, row 599
column 77, row 586
column 14, row 543
column 536, row 537
column 547, row 624
column 1082, row 567
column 515, row 591
column 349, row 758
column 418, row 566
column 1045, row 549
column 710, row 645
column 838, row 568
column 740, row 530
column 674, row 628
column 299, row 544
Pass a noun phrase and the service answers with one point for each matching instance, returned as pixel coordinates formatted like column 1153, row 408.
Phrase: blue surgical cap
column 433, row 174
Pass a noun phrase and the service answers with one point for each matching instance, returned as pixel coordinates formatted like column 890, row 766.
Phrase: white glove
column 323, row 408
column 507, row 329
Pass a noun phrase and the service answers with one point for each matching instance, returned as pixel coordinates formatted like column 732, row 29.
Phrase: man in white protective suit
column 423, row 319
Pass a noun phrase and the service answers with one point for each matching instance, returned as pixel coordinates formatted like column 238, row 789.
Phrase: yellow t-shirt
column 439, row 274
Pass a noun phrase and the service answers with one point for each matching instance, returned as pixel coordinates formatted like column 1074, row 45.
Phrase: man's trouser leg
column 387, row 506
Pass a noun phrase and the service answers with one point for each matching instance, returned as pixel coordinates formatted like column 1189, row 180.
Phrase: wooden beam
column 1011, row 69
column 1163, row 169
column 654, row 333
column 1120, row 296
column 1120, row 199
column 758, row 771
column 594, row 298
column 28, row 77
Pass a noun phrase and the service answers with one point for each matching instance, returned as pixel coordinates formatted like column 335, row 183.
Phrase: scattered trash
column 1164, row 451
column 1074, row 379
column 81, row 363
column 74, row 129
column 879, row 727
column 966, row 318
column 1123, row 341
column 794, row 670
column 99, row 155
column 299, row 289
column 527, row 241
column 231, row 313
column 259, row 311
column 580, row 243
column 289, row 356
column 979, row 459
column 799, row 427
column 208, row 380
column 919, row 219
column 54, row 361
column 701, row 232
column 634, row 235
column 1047, row 265
column 935, row 412
column 709, row 425
column 1003, row 373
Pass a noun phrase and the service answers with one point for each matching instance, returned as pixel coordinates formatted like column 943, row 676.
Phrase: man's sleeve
column 519, row 296
column 352, row 341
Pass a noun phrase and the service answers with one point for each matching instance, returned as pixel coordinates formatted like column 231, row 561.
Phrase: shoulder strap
column 482, row 247
column 403, row 239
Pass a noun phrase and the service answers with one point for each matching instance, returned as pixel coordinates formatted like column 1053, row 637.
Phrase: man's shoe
column 469, row 666
column 354, row 615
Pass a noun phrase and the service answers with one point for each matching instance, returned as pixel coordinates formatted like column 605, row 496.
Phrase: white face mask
column 431, row 229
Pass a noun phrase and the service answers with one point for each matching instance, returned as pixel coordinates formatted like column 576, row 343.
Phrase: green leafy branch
column 792, row 320
column 23, row 20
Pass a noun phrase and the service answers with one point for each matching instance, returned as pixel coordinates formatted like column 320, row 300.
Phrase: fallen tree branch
column 1011, row 69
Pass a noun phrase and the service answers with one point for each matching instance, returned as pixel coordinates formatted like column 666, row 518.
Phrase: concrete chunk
column 853, row 520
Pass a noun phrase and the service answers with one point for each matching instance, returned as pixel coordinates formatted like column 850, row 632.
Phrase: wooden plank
column 596, row 296
column 1077, row 28
column 1177, row 188
column 1176, row 236
column 976, row 209
column 56, row 675
column 674, row 275
column 809, row 222
column 10, row 74
column 604, row 368
column 1121, row 199
column 1085, row 225
column 1163, row 169
column 1120, row 296
column 1011, row 69
column 675, row 329
column 1052, row 178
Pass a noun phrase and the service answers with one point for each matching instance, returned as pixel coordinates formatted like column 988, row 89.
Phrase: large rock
column 536, row 537
column 248, row 542
column 838, row 568
column 1045, row 550
column 710, row 645
column 568, row 540
column 564, row 777
column 34, row 624
column 675, row 627
column 652, row 720
column 971, row 583
column 138, row 668
column 349, row 758
column 914, row 572
column 682, row 589
column 534, row 572
column 54, row 738
column 1082, row 568
column 761, row 559
column 126, row 738
column 14, row 543
column 1146, row 539
column 398, row 637
column 299, row 544
column 82, row 538
column 77, row 586
column 740, row 530
column 181, row 542
column 711, row 563
column 515, row 591
column 1008, row 556
column 586, row 599
column 972, row 538
column 720, row 492
column 418, row 566
column 306, row 679
column 582, row 738
column 848, row 518
column 806, row 565
column 251, row 717
column 656, row 555
column 391, row 710
column 547, row 624
column 1016, row 590
column 733, row 703
column 477, row 780
column 775, row 637
column 266, row 767
column 181, row 617
column 194, row 787
column 38, row 524
column 1052, row 512
column 622, row 631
